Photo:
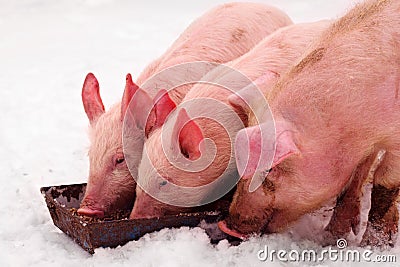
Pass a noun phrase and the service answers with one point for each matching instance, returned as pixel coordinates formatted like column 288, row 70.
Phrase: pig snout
column 250, row 212
column 90, row 208
column 100, row 200
column 145, row 206
column 139, row 212
column 222, row 225
column 148, row 207
column 90, row 212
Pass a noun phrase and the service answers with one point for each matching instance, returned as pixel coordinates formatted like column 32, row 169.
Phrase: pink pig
column 335, row 112
column 160, row 168
column 222, row 34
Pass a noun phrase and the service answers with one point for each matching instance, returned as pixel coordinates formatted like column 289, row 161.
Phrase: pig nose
column 91, row 212
column 135, row 216
column 145, row 206
column 224, row 228
column 142, row 214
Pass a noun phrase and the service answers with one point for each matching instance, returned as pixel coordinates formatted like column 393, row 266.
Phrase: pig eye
column 161, row 184
column 266, row 172
column 119, row 160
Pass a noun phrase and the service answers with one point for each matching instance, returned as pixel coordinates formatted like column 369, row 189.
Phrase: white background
column 46, row 49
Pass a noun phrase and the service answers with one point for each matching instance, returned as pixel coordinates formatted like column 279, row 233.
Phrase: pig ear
column 91, row 98
column 189, row 135
column 137, row 102
column 130, row 89
column 285, row 145
column 162, row 107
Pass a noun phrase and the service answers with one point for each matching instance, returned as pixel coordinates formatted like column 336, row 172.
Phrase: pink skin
column 339, row 105
column 110, row 185
column 263, row 64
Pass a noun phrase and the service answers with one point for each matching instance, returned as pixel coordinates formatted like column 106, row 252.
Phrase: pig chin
column 148, row 207
column 266, row 221
column 250, row 213
column 247, row 225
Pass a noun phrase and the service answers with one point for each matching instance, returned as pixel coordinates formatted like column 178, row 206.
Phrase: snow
column 46, row 49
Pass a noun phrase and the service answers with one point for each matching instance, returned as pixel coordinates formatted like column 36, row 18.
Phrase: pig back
column 219, row 36
column 349, row 78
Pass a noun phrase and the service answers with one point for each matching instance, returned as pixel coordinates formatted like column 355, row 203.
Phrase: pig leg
column 383, row 216
column 346, row 214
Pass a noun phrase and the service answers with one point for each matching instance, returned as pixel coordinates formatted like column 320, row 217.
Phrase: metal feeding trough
column 90, row 233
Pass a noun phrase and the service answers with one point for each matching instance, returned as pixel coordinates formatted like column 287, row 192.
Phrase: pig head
column 290, row 186
column 110, row 185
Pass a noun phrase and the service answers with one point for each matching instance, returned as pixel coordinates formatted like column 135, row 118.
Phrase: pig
column 220, row 35
column 156, row 194
column 335, row 111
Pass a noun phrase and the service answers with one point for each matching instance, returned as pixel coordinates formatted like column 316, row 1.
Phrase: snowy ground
column 46, row 49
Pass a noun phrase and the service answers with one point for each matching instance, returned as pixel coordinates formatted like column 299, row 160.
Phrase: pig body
column 263, row 64
column 223, row 34
column 333, row 111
